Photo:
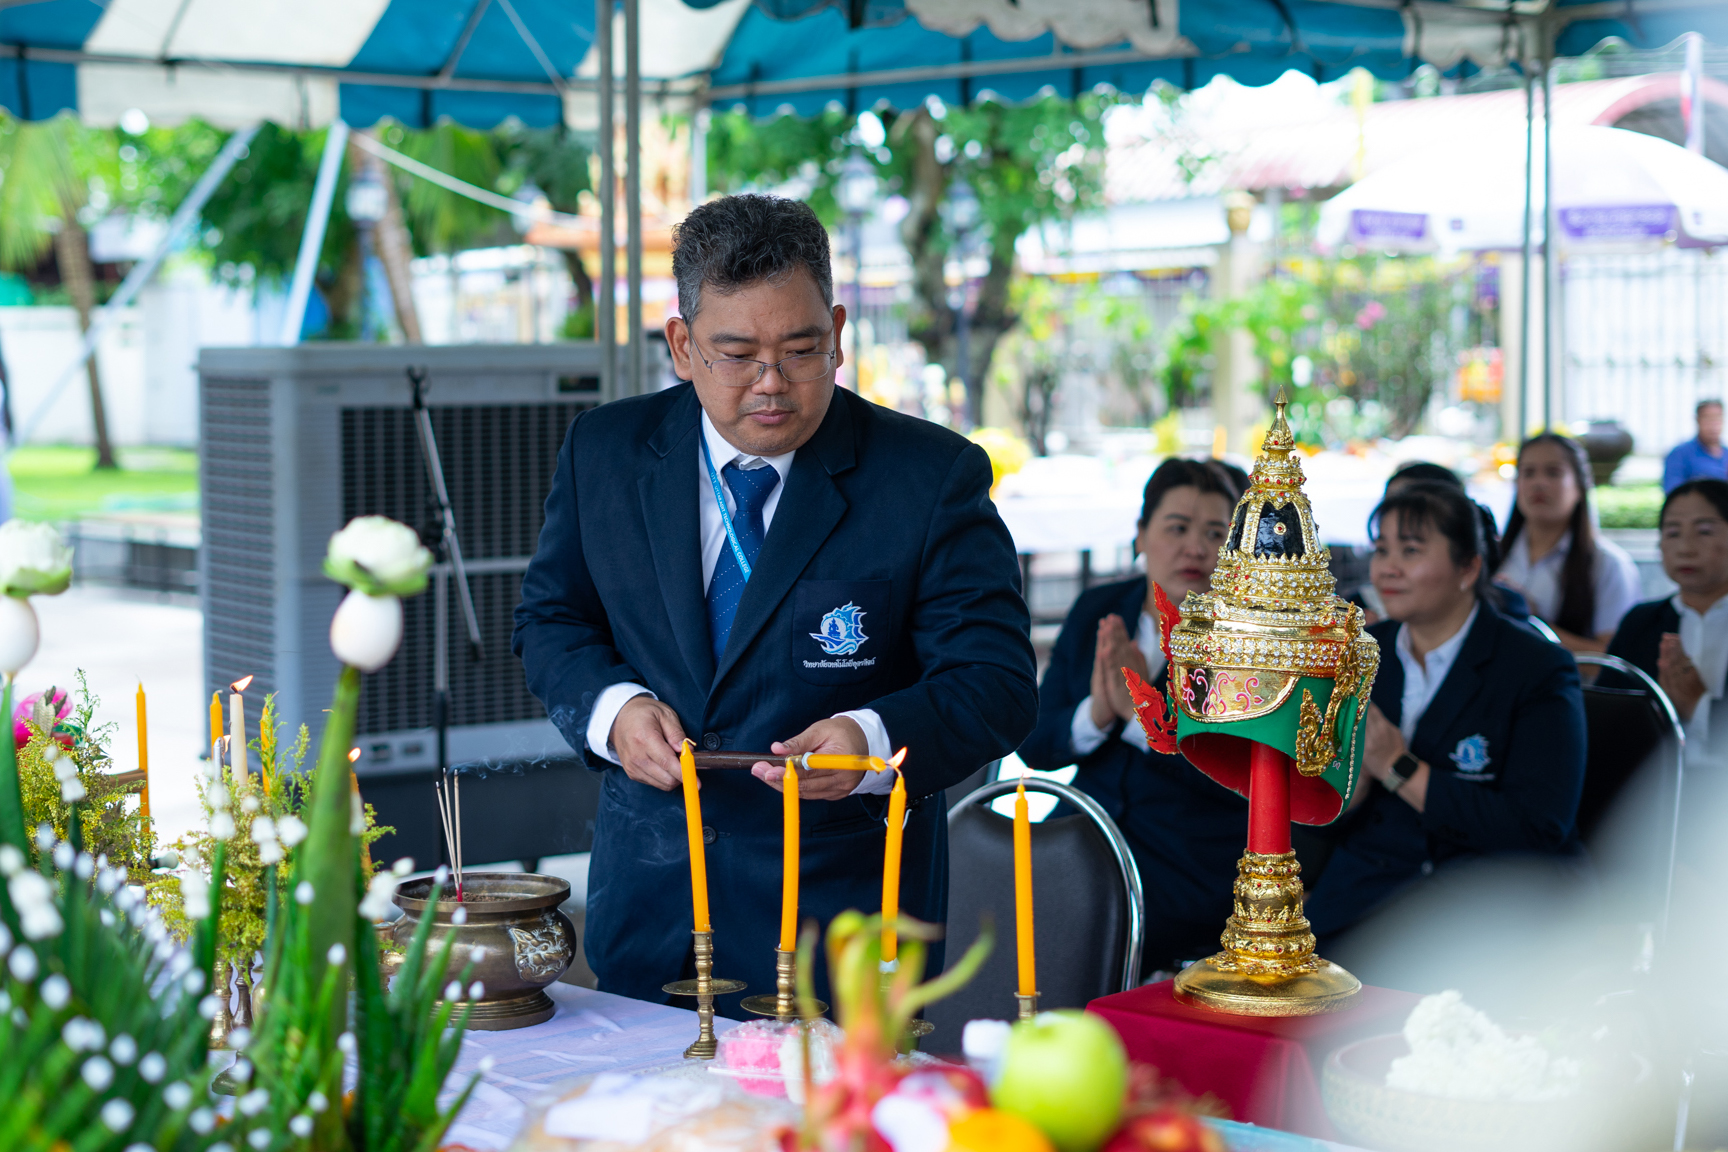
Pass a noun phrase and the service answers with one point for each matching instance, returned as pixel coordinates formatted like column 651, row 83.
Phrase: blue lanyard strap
column 725, row 516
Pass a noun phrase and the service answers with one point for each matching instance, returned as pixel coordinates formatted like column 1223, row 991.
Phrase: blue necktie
column 750, row 488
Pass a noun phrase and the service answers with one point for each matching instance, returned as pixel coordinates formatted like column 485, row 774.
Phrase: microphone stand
column 450, row 549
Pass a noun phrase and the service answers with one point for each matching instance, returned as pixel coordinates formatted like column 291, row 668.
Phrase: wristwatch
column 1402, row 769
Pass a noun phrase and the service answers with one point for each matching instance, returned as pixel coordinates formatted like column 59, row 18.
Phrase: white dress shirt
column 1423, row 677
column 1704, row 636
column 713, row 529
column 1086, row 736
column 1616, row 580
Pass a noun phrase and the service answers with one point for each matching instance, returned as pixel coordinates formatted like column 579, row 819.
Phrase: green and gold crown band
column 1272, row 655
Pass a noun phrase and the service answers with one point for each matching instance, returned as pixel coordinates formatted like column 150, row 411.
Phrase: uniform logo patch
column 842, row 630
column 1471, row 755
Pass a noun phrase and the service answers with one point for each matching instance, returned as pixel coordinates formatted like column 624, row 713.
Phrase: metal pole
column 699, row 156
column 605, row 296
column 140, row 275
column 312, row 239
column 1516, row 433
column 633, row 186
column 1550, row 245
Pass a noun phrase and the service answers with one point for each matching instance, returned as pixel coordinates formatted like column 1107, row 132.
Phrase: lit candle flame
column 241, row 684
column 353, row 755
column 898, row 759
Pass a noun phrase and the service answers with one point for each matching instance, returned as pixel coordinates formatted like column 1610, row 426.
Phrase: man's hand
column 1678, row 676
column 1117, row 650
column 840, row 735
column 647, row 737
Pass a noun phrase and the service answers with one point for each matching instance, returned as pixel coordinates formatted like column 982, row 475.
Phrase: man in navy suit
column 759, row 560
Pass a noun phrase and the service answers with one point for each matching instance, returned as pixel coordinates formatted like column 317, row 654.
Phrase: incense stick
column 458, row 776
column 444, row 819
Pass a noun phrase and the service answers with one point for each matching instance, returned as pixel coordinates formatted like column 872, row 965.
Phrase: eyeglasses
column 798, row 368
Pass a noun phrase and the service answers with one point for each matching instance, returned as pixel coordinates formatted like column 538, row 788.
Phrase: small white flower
column 72, row 791
column 44, row 837
column 301, row 1126
column 303, row 893
column 379, row 889
column 402, row 867
column 442, row 876
column 291, row 829
column 64, row 768
column 217, row 796
column 56, row 992
column 259, row 1139
column 140, row 1148
column 202, row 1121
column 5, row 939
column 194, row 983
column 241, row 1071
column 34, row 560
column 317, row 1101
column 459, row 917
column 84, row 867
column 34, row 897
column 108, row 918
column 109, row 882
column 209, row 1007
column 263, row 828
column 453, row 990
column 63, row 855
column 23, row 964
column 117, row 1114
column 98, row 1073
column 177, row 1095
column 11, row 860
column 379, row 555
column 254, row 1102
column 222, row 826
column 249, row 804
column 476, row 953
column 345, row 1042
column 270, row 852
column 487, row 1063
column 123, row 1049
column 237, row 1040
column 195, row 891
column 337, row 955
column 152, row 1068
column 476, row 990
column 221, row 1146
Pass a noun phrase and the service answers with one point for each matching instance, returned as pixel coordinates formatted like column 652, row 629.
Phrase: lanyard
column 725, row 516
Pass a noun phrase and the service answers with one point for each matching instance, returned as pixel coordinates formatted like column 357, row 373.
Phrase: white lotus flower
column 378, row 555
column 33, row 559
column 19, row 634
column 366, row 630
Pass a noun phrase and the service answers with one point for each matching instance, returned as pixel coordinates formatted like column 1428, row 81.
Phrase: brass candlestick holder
column 1028, row 1005
column 705, row 987
column 783, row 1005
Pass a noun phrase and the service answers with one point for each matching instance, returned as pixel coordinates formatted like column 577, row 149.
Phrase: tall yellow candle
column 698, row 851
column 215, row 720
column 237, row 748
column 891, row 868
column 1023, row 893
column 143, row 756
column 789, row 863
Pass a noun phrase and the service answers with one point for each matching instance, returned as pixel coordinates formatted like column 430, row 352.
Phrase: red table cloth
column 1266, row 1069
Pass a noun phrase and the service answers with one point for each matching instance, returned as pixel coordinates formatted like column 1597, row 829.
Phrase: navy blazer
column 1638, row 640
column 1505, row 744
column 881, row 511
column 1186, row 831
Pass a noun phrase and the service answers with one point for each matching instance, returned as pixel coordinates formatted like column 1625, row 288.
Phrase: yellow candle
column 789, row 863
column 1023, row 893
column 143, row 757
column 891, row 868
column 693, row 826
column 839, row 762
column 237, row 745
column 215, row 720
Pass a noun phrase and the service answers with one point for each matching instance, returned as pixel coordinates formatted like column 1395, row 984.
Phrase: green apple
column 1066, row 1072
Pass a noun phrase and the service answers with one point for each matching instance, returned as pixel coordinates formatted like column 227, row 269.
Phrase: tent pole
column 312, row 239
column 1550, row 244
column 606, row 292
column 1516, row 433
column 633, row 186
column 139, row 276
column 699, row 154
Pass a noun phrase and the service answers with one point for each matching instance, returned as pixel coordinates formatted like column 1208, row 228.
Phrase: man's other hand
column 840, row 735
column 647, row 737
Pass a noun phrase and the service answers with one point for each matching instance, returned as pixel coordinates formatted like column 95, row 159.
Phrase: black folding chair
column 1089, row 910
column 1627, row 728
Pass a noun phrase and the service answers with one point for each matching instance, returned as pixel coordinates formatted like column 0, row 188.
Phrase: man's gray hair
column 736, row 241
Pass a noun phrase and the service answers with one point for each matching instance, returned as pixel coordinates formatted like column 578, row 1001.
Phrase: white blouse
column 1616, row 580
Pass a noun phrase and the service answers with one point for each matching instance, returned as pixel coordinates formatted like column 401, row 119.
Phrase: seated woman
column 1682, row 641
column 1185, row 831
column 1475, row 734
column 1577, row 581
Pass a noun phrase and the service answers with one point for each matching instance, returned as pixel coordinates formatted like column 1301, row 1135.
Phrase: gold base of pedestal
column 718, row 986
column 1326, row 989
column 777, row 1006
column 1268, row 966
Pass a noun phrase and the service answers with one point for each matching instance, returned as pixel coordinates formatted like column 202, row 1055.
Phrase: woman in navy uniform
column 1475, row 737
column 1185, row 830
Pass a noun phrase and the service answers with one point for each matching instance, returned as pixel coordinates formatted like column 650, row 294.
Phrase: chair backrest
column 1541, row 626
column 1627, row 727
column 1088, row 907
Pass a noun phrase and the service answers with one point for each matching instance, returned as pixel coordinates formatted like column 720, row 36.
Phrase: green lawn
column 1631, row 506
column 63, row 483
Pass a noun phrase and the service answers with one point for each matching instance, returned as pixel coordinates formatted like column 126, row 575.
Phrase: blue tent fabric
column 40, row 89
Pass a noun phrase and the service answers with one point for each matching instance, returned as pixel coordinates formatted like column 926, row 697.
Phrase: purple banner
column 1370, row 224
column 1608, row 223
